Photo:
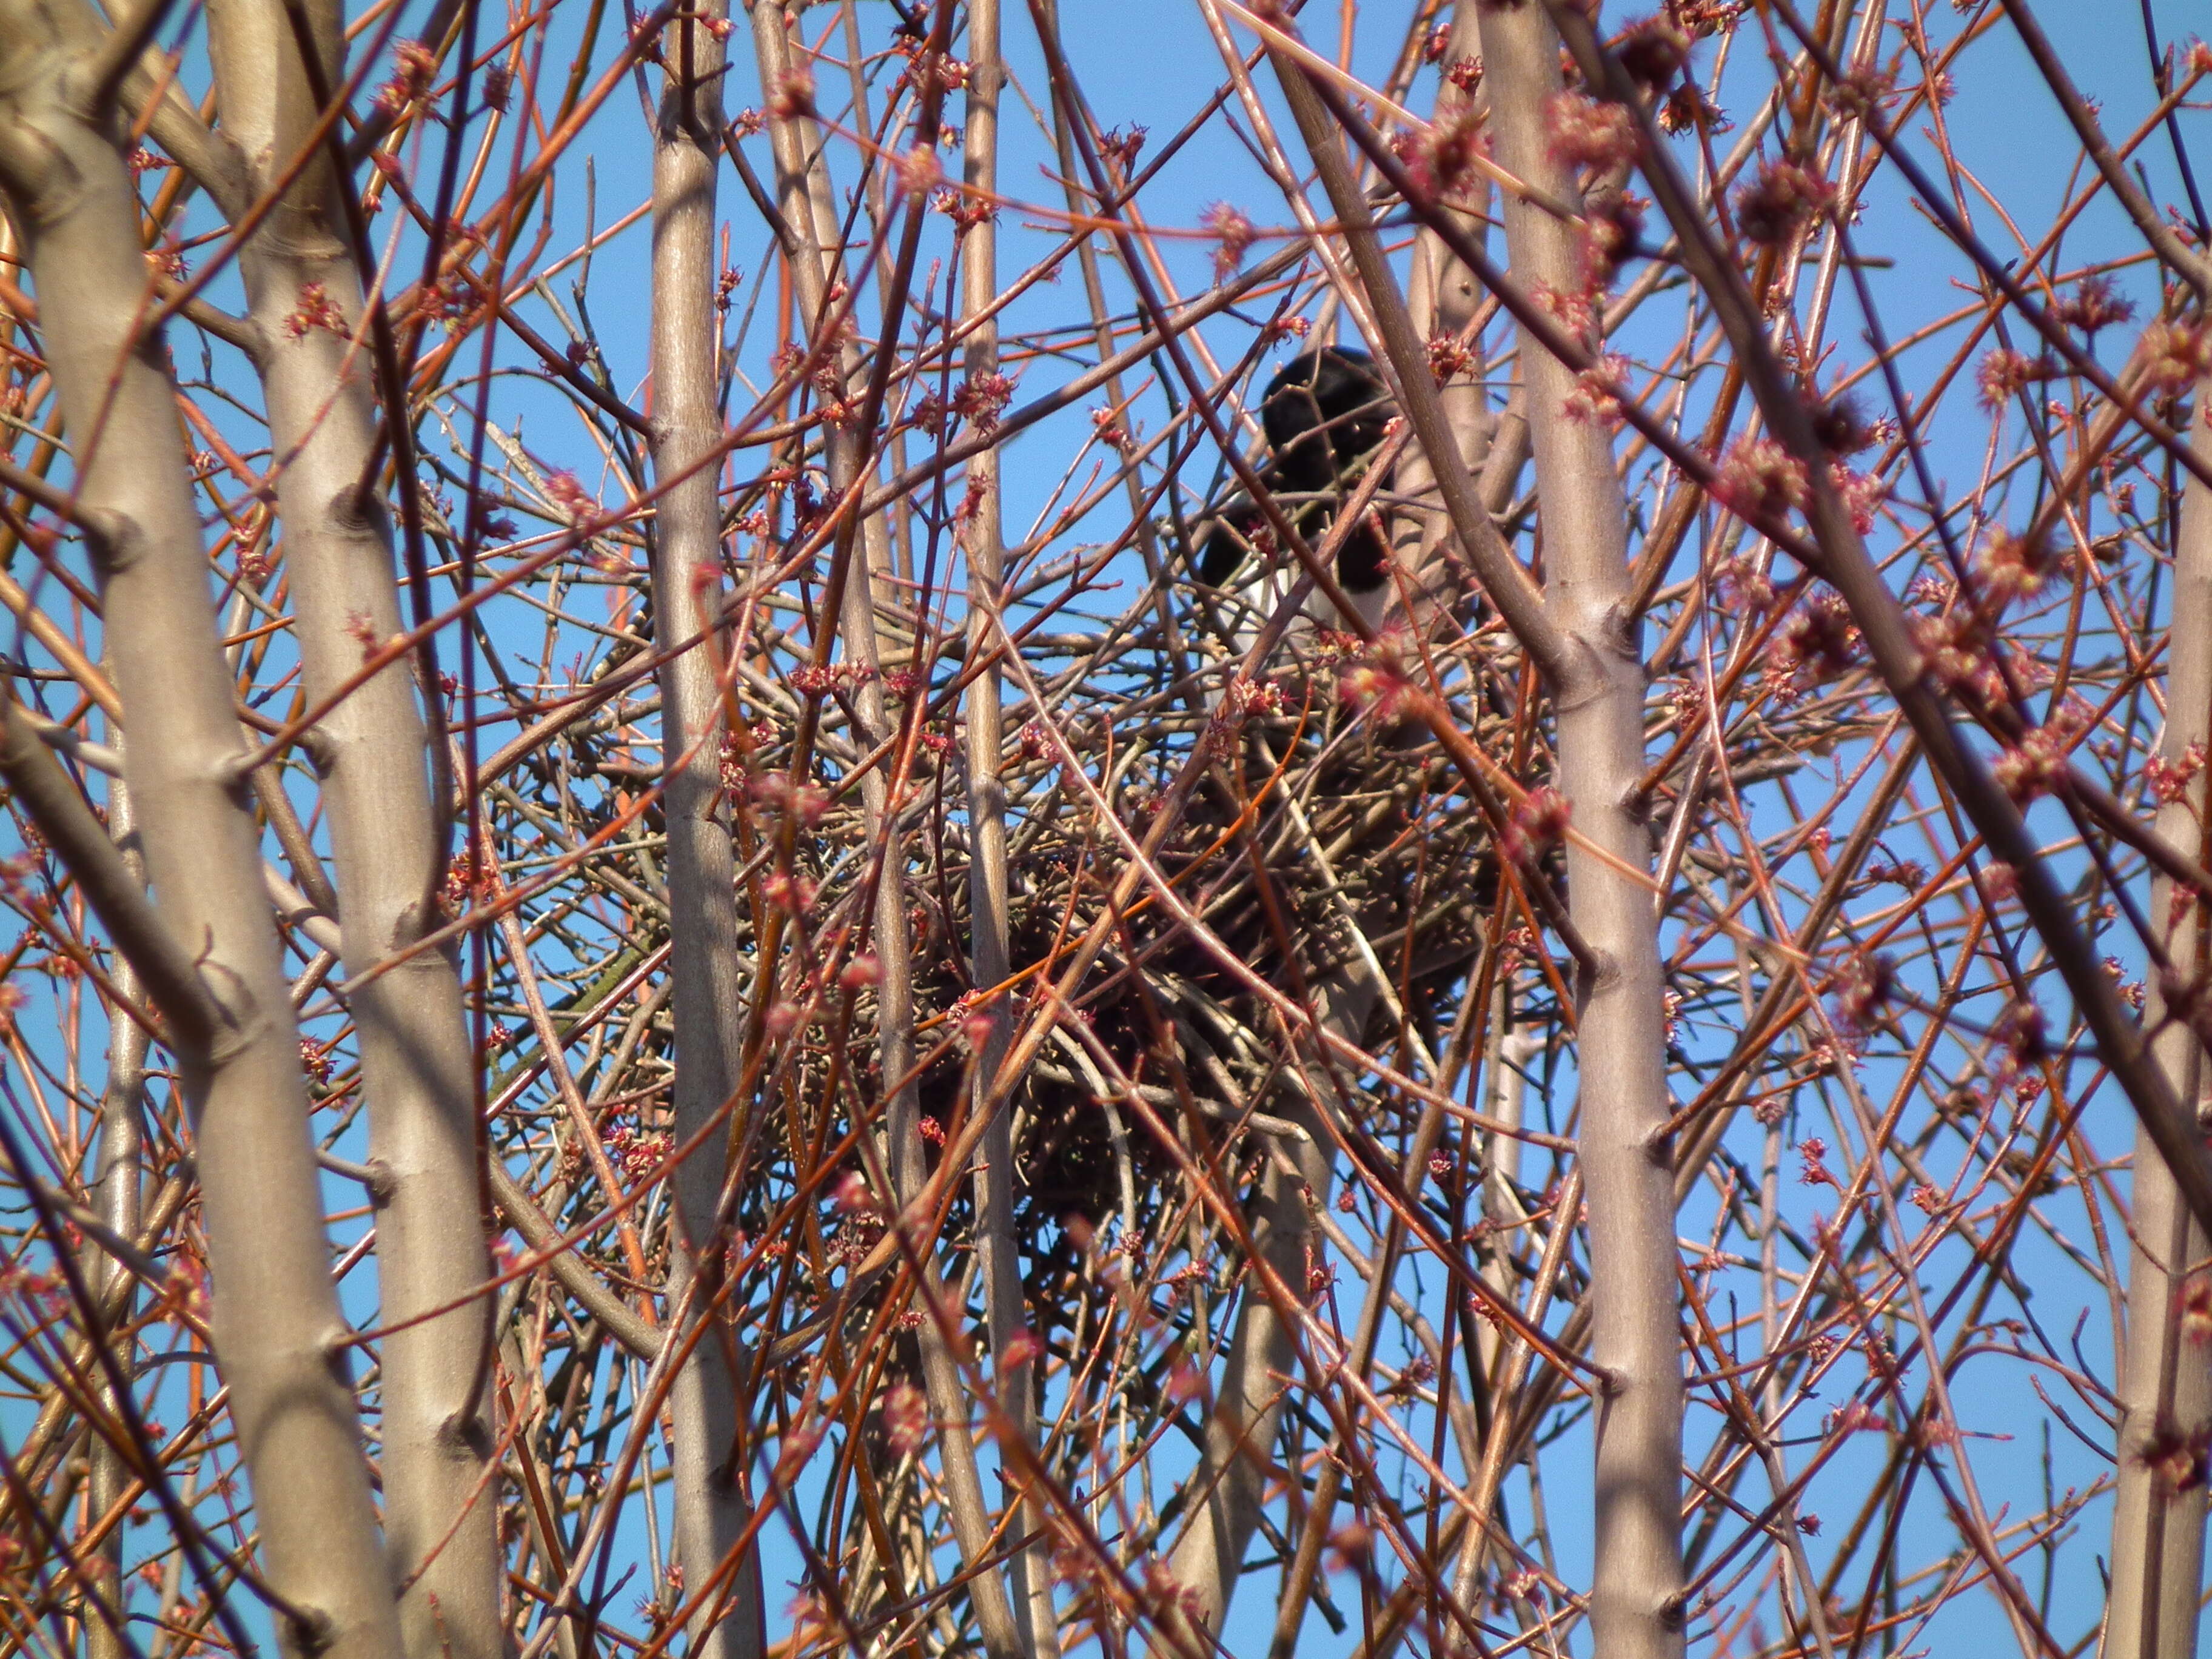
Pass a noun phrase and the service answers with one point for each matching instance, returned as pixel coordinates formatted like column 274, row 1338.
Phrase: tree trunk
column 118, row 1199
column 1577, row 636
column 803, row 194
column 709, row 990
column 1620, row 1049
column 1029, row 1572
column 1231, row 1482
column 279, row 1333
column 2166, row 1385
column 1443, row 299
column 440, row 1514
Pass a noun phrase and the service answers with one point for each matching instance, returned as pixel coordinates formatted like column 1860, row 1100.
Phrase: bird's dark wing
column 1322, row 412
column 1224, row 537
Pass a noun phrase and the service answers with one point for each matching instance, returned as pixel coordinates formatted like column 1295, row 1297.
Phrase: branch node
column 382, row 1183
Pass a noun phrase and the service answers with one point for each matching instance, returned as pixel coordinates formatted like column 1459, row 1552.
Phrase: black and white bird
column 1324, row 413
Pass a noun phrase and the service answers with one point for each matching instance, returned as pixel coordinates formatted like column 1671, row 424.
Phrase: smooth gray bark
column 2166, row 1381
column 1030, row 1571
column 117, row 1198
column 1231, row 1482
column 1443, row 300
column 709, row 983
column 440, row 1512
column 280, row 1337
column 1620, row 1049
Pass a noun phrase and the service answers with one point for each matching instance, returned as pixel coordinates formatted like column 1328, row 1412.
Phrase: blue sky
column 1151, row 64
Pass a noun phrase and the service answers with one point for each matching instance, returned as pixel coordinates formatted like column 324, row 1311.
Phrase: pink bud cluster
column 1538, row 823
column 2169, row 779
column 2038, row 764
column 1234, row 233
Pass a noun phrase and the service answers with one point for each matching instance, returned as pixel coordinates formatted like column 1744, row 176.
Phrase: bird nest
column 1297, row 843
column 1319, row 843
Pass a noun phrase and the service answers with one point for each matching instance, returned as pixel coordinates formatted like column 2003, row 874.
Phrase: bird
column 1324, row 413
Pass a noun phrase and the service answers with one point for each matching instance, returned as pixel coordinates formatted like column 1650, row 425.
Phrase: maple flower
column 906, row 1418
column 794, row 95
column 1653, row 49
column 2094, row 304
column 1586, row 133
column 919, row 171
column 316, row 310
column 1234, row 232
column 2176, row 355
column 1770, row 209
column 1760, row 479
